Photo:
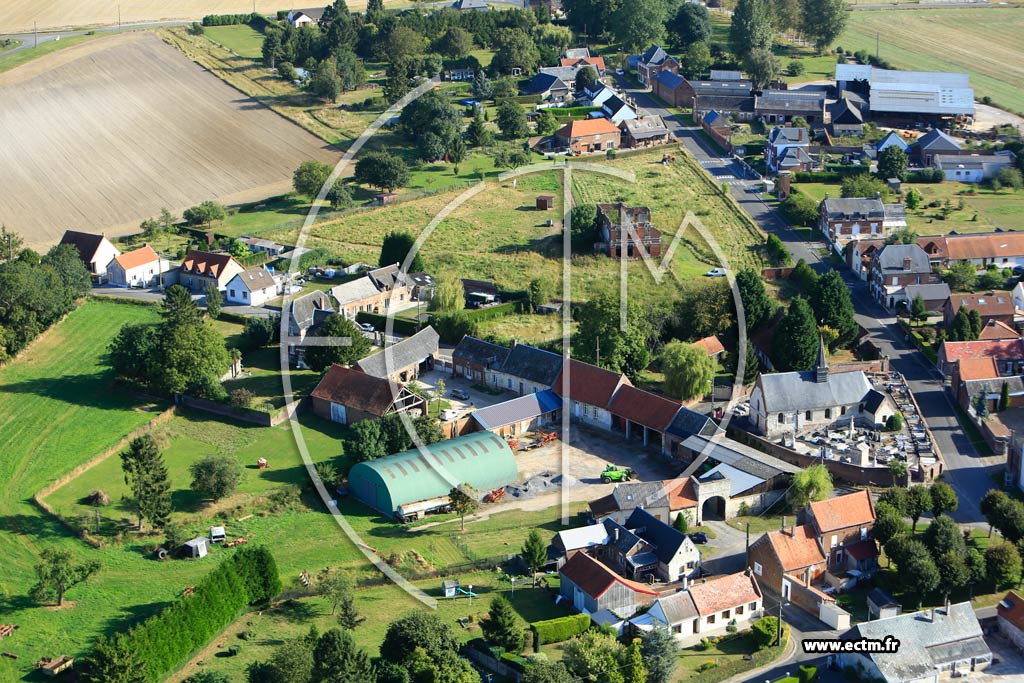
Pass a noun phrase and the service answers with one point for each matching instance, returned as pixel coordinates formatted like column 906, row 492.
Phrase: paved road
column 968, row 473
column 29, row 40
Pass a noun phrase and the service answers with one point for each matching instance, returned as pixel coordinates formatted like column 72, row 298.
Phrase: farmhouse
column 935, row 644
column 307, row 311
column 626, row 231
column 306, row 17
column 253, row 287
column 786, row 149
column 933, row 295
column 791, row 563
column 931, row 144
column 96, row 251
column 529, row 413
column 973, row 168
column 588, row 135
column 347, row 396
column 734, row 107
column 140, row 267
column 1008, row 355
column 590, row 391
column 842, row 220
column 523, row 369
column 909, row 92
column 567, row 543
column 780, row 106
column 356, row 296
column 201, row 269
column 844, row 524
column 992, row 306
column 652, row 62
column 788, row 402
column 665, row 500
column 645, row 131
column 1001, row 249
column 403, row 361
column 706, row 609
column 481, row 460
column 893, row 268
column 590, row 586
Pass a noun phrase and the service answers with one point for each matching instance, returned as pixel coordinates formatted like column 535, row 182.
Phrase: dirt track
column 102, row 135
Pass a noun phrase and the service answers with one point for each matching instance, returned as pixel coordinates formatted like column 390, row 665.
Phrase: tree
column 367, row 441
column 800, row 209
column 150, row 229
column 397, row 83
column 57, row 573
column 595, row 656
column 751, row 365
column 635, row 669
column 542, row 671
column 661, row 654
column 691, row 24
column 208, row 676
column 751, row 28
column 477, row 132
column 954, row 572
column 463, row 502
column 761, row 65
column 944, row 498
column 382, row 170
column 321, row 357
column 500, row 627
column 538, row 293
column 600, row 339
column 260, row 331
column 962, row 330
column 338, row 195
column 11, row 243
column 697, row 58
column 204, row 214
column 404, row 42
column 919, row 501
column 961, row 276
column 765, row 631
column 888, row 523
column 585, row 77
column 455, row 43
column 457, row 154
column 639, row 23
column 917, row 569
column 918, row 309
column 423, row 630
column 898, row 498
column 449, row 294
column 994, row 505
column 482, row 88
column 943, row 536
column 1004, row 564
column 892, row 162
column 899, row 471
column 688, row 370
column 310, row 177
column 325, row 82
column 583, row 226
column 146, row 476
column 432, row 114
column 215, row 476
column 534, row 551
column 864, row 185
column 795, row 345
column 757, row 307
column 512, row 120
column 395, row 249
column 514, row 48
column 213, row 300
column 337, row 659
column 824, row 21
column 809, row 485
column 1011, row 177
column 1004, row 397
column 115, row 660
column 833, row 307
column 974, row 316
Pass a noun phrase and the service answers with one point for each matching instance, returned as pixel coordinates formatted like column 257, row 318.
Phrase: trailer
column 410, row 512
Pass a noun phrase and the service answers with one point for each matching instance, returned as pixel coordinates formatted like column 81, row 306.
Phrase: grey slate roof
column 939, row 292
column 666, row 539
column 255, row 278
column 733, row 88
column 542, row 83
column 480, row 352
column 789, row 392
column 724, row 103
column 636, row 493
column 409, row 351
column 355, row 290
column 532, row 364
column 788, row 135
column 654, row 55
column 928, row 640
column 565, row 73
column 881, row 598
column 936, row 141
column 843, row 208
column 678, row 607
column 846, row 112
column 687, row 422
column 626, row 540
column 518, row 409
column 613, row 104
column 873, row 401
column 790, row 101
column 892, row 257
column 740, row 456
column 645, row 127
column 304, row 308
column 794, row 156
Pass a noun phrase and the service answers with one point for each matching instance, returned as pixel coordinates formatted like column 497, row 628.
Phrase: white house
column 137, row 268
column 305, row 17
column 973, row 168
column 253, row 287
column 96, row 251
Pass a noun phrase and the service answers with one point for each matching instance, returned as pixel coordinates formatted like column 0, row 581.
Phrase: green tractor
column 613, row 473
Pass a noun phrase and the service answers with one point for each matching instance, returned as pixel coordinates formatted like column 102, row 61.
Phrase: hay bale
column 99, row 498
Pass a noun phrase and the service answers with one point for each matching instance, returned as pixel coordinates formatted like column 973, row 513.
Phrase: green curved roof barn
column 482, row 459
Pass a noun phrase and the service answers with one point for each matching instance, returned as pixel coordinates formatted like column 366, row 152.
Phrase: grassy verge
column 730, row 657
column 27, row 55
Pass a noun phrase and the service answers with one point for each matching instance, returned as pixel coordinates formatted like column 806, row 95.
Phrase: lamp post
column 711, row 383
column 778, row 635
column 513, row 580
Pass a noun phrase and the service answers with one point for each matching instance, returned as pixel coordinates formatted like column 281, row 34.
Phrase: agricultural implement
column 614, row 473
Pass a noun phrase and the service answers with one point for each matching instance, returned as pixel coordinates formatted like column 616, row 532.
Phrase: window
column 711, row 619
column 782, row 418
column 726, row 614
column 678, row 628
column 232, row 292
column 807, row 415
column 863, row 532
column 245, row 294
column 758, row 568
column 842, row 410
column 834, row 542
column 739, row 611
column 828, row 413
column 752, row 606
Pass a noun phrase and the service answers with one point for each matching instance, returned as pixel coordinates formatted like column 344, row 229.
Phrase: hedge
column 827, row 176
column 558, row 630
column 847, row 169
column 926, row 175
column 231, row 19
column 164, row 642
column 491, row 312
column 402, row 326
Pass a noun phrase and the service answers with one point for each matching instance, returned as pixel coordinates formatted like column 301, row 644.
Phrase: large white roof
column 925, row 92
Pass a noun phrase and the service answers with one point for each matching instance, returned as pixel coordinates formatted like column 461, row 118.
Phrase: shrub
column 794, row 68
column 764, row 631
column 558, row 630
column 402, row 326
column 894, row 423
column 808, row 673
column 98, row 498
column 240, row 399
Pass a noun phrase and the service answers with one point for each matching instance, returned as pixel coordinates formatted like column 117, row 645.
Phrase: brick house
column 590, row 392
column 992, row 306
column 973, row 377
column 589, row 135
column 786, row 149
column 1008, row 355
column 706, row 609
column 202, row 268
column 614, row 222
column 645, row 131
column 673, row 89
column 357, row 296
column 844, row 524
column 791, row 563
column 347, row 396
column 842, row 220
column 654, row 61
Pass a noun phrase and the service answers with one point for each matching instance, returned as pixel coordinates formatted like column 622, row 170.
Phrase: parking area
column 453, row 385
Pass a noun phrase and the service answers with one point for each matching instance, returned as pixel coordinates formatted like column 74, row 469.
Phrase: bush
column 794, row 68
column 765, row 630
column 558, row 630
column 926, row 175
column 402, row 326
column 491, row 312
column 894, row 423
column 808, row 673
column 230, row 19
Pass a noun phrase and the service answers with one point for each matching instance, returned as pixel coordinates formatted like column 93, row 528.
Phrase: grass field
column 1003, row 209
column 176, row 137
column 984, row 42
column 242, row 39
column 47, row 47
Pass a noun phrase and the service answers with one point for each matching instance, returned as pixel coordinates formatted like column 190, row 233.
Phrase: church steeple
column 821, row 368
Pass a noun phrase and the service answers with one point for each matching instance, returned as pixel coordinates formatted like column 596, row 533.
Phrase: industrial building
column 909, row 92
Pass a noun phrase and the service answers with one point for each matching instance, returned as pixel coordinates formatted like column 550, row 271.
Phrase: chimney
column 783, row 527
column 686, row 582
column 947, row 606
column 906, row 263
column 615, row 534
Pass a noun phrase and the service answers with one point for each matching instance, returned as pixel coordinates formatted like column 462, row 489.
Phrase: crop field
column 102, row 135
column 984, row 42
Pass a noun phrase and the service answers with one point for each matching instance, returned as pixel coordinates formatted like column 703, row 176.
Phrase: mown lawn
column 242, row 39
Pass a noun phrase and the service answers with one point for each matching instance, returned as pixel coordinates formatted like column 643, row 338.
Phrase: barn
column 482, row 459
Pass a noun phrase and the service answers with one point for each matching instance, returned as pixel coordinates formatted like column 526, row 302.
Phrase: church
column 798, row 402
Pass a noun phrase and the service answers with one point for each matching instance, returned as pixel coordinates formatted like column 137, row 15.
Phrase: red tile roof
column 357, row 390
column 596, row 62
column 595, row 578
column 841, row 512
column 991, row 303
column 712, row 345
column 136, row 257
column 585, row 127
column 1000, row 349
column 797, row 551
column 997, row 329
column 206, row 263
column 1011, row 608
column 590, row 384
column 977, row 368
column 644, row 408
column 681, row 493
column 863, row 550
column 994, row 245
column 724, row 592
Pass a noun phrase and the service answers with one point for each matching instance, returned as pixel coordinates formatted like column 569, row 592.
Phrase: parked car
column 367, row 327
column 699, row 537
column 715, row 272
column 619, row 72
column 1018, row 270
column 460, row 394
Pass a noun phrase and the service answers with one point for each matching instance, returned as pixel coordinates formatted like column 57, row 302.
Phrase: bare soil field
column 17, row 16
column 102, row 135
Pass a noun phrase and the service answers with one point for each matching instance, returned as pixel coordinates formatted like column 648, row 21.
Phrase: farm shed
column 483, row 460
column 196, row 548
column 520, row 415
column 545, row 202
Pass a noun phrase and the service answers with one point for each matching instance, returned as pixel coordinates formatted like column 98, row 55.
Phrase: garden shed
column 196, row 548
column 482, row 459
column 545, row 202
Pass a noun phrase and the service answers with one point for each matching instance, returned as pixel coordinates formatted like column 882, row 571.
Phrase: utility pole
column 35, row 33
column 876, row 44
column 118, row 16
